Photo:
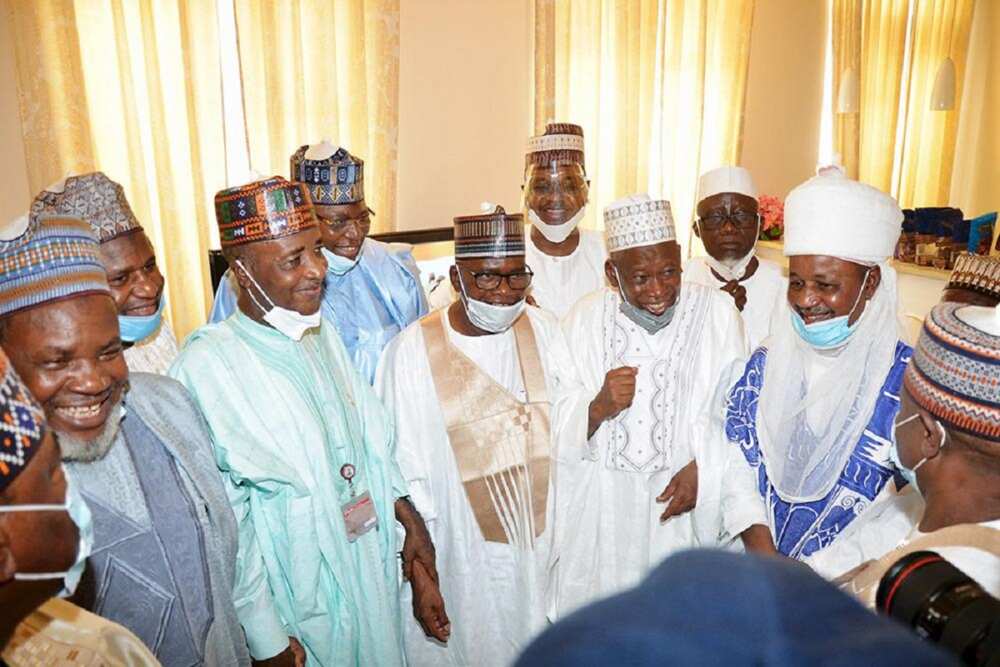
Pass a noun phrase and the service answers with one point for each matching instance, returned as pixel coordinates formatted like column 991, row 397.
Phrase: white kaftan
column 765, row 290
column 560, row 282
column 607, row 516
column 494, row 592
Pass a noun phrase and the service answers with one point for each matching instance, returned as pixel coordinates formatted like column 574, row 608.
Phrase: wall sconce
column 943, row 96
column 849, row 93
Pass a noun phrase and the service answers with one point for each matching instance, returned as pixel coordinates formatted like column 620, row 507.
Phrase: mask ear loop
column 864, row 284
column 260, row 289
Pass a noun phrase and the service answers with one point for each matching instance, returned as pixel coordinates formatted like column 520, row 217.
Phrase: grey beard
column 88, row 451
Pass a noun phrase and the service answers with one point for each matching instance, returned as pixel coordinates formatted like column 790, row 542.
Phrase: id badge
column 359, row 516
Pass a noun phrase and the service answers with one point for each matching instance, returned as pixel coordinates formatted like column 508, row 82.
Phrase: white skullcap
column 832, row 215
column 726, row 179
column 636, row 221
column 321, row 151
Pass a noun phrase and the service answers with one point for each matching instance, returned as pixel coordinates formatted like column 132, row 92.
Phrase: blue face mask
column 136, row 328
column 829, row 334
column 910, row 474
column 341, row 265
column 649, row 322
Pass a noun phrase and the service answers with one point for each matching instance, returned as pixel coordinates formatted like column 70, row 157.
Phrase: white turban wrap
column 832, row 215
column 726, row 179
column 814, row 406
column 636, row 221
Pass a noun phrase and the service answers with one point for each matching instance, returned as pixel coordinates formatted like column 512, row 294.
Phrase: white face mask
column 556, row 233
column 732, row 270
column 341, row 265
column 487, row 316
column 291, row 323
column 78, row 511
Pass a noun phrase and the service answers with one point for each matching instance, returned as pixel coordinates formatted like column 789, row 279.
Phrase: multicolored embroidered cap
column 955, row 370
column 497, row 234
column 332, row 175
column 96, row 199
column 263, row 211
column 978, row 273
column 22, row 424
column 57, row 257
column 636, row 221
column 562, row 143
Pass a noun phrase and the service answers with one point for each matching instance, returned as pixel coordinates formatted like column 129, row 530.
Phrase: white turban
column 636, row 221
column 726, row 179
column 834, row 216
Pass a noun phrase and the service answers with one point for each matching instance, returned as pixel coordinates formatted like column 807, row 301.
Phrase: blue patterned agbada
column 803, row 528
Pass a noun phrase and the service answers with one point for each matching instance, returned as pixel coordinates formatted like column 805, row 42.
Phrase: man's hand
column 615, row 395
column 293, row 656
column 757, row 539
column 681, row 493
column 417, row 545
column 738, row 292
column 428, row 605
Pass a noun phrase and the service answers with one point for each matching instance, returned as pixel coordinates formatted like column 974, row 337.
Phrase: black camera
column 943, row 605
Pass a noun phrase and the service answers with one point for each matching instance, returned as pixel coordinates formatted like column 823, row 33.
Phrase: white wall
column 464, row 107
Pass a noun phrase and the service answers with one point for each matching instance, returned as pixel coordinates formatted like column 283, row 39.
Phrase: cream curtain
column 131, row 89
column 317, row 69
column 658, row 86
column 941, row 29
column 869, row 37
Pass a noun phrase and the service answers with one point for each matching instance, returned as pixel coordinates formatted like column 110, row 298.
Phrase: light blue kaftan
column 284, row 417
column 369, row 304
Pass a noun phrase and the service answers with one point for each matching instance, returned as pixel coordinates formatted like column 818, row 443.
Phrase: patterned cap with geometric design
column 978, row 273
column 22, row 424
column 96, row 199
column 561, row 144
column 263, row 211
column 57, row 257
column 332, row 175
column 497, row 234
column 955, row 370
column 637, row 221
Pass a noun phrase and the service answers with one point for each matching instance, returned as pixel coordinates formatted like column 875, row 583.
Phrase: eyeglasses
column 740, row 219
column 364, row 221
column 486, row 280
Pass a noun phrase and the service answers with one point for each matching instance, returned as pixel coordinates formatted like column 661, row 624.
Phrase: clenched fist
column 615, row 395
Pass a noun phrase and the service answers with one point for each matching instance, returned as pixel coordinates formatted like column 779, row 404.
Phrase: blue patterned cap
column 55, row 258
column 335, row 178
column 22, row 424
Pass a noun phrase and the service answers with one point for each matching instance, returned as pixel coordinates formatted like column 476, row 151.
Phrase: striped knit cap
column 263, row 211
column 498, row 234
column 978, row 273
column 955, row 370
column 22, row 424
column 561, row 144
column 57, row 257
column 96, row 199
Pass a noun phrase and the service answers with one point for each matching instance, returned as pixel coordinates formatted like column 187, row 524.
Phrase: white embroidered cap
column 726, row 179
column 636, row 221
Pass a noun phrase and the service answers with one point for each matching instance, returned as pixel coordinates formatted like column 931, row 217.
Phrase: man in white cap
column 728, row 225
column 471, row 388
column 648, row 353
column 813, row 411
column 568, row 262
column 372, row 290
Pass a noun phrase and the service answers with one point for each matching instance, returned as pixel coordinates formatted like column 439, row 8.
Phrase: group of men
column 328, row 474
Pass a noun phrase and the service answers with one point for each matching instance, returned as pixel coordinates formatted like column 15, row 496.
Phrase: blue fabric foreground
column 718, row 608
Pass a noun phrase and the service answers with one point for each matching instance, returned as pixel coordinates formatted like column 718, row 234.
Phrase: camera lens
column 942, row 604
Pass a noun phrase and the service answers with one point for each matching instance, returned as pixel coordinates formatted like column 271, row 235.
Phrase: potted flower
column 772, row 213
